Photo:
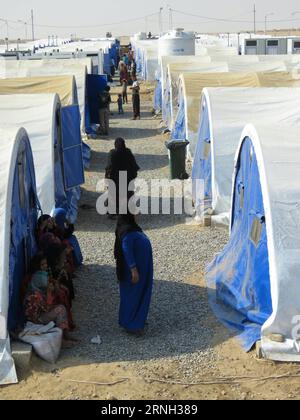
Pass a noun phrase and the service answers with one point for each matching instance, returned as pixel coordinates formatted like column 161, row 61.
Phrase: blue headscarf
column 60, row 216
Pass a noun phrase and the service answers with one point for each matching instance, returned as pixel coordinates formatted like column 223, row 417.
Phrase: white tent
column 266, row 66
column 18, row 205
column 238, row 58
column 224, row 113
column 64, row 86
column 161, row 76
column 170, row 94
column 38, row 114
column 75, row 67
column 221, row 50
column 255, row 278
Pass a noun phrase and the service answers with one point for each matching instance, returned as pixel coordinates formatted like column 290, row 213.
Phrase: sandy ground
column 72, row 378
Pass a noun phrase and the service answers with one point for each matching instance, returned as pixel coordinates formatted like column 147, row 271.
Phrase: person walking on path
column 120, row 104
column 136, row 102
column 133, row 68
column 124, row 91
column 134, row 260
column 123, row 72
column 104, row 103
column 120, row 159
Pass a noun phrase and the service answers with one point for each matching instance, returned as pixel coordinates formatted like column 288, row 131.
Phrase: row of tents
column 241, row 116
column 47, row 108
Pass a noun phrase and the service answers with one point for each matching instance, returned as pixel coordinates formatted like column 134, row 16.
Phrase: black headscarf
column 121, row 159
column 126, row 224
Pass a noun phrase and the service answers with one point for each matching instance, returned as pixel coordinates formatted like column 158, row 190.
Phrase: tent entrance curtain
column 95, row 85
column 73, row 169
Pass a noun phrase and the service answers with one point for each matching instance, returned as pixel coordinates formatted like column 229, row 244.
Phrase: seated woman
column 65, row 231
column 45, row 225
column 40, row 300
column 58, row 267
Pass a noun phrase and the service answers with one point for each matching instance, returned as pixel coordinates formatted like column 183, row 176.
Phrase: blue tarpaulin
column 202, row 159
column 95, row 85
column 238, row 279
column 158, row 97
column 179, row 130
column 73, row 169
column 24, row 214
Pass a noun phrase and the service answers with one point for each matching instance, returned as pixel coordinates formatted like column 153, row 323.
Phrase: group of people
column 129, row 80
column 127, row 73
column 47, row 289
column 132, row 250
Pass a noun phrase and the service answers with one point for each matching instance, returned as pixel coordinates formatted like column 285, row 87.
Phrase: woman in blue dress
column 133, row 254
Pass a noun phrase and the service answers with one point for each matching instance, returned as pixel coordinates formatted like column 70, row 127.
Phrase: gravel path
column 177, row 331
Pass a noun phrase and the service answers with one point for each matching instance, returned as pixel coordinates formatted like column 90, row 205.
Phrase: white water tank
column 177, row 42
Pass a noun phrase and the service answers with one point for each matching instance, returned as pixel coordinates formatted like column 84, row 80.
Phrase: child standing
column 120, row 104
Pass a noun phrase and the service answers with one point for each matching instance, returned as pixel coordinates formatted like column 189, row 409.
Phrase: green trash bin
column 177, row 149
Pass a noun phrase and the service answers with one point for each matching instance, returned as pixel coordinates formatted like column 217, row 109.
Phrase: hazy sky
column 95, row 17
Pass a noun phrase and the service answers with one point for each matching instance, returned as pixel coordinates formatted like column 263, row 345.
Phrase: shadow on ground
column 90, row 221
column 146, row 162
column 178, row 321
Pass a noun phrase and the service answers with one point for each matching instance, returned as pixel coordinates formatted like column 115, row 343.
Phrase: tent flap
column 95, row 85
column 72, row 147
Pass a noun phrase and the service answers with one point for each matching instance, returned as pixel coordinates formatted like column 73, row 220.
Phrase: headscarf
column 126, row 224
column 40, row 222
column 121, row 159
column 42, row 219
column 39, row 278
column 39, row 282
column 60, row 216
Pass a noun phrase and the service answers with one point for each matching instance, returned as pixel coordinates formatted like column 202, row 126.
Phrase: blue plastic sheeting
column 89, row 127
column 72, row 147
column 106, row 64
column 238, row 279
column 158, row 97
column 139, row 61
column 86, row 155
column 179, row 131
column 202, row 159
column 113, row 52
column 95, row 85
column 73, row 197
column 73, row 169
column 61, row 200
column 24, row 214
column 60, row 193
column 166, row 111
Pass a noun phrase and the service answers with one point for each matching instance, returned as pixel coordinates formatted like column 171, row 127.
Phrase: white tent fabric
column 11, row 140
column 238, row 58
column 77, row 68
column 37, row 114
column 221, row 50
column 170, row 94
column 229, row 110
column 64, row 86
column 294, row 58
column 258, row 67
column 277, row 150
column 164, row 61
